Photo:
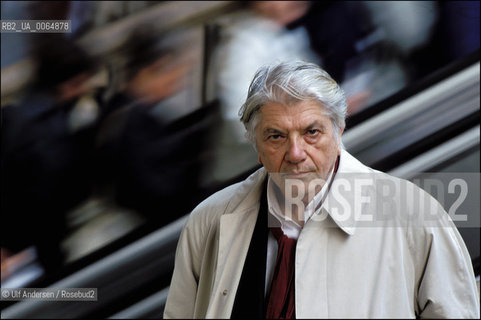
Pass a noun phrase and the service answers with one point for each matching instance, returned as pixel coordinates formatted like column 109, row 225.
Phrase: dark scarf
column 250, row 300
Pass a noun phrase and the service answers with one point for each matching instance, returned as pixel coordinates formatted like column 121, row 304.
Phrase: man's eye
column 312, row 132
column 275, row 137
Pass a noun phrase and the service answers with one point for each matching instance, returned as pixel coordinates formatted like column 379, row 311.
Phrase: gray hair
column 291, row 82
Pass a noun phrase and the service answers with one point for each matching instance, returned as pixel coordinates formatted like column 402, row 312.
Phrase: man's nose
column 295, row 152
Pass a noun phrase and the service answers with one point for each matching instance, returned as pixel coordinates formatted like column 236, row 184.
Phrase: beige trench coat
column 343, row 269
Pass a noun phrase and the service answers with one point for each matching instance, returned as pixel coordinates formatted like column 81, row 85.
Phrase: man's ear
column 341, row 131
column 259, row 159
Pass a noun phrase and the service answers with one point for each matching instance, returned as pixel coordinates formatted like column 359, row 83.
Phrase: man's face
column 296, row 142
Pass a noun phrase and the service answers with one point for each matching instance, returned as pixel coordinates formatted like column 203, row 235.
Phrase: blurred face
column 75, row 87
column 296, row 142
column 283, row 12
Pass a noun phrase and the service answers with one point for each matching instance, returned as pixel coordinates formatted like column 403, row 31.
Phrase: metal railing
column 113, row 276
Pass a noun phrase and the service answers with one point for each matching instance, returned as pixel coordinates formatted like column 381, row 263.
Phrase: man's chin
column 290, row 184
column 305, row 177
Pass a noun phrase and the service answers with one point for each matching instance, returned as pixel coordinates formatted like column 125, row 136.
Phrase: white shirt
column 290, row 228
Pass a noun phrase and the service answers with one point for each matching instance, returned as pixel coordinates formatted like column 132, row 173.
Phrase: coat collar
column 349, row 169
column 248, row 193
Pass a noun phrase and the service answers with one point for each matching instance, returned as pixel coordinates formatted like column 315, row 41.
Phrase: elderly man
column 291, row 241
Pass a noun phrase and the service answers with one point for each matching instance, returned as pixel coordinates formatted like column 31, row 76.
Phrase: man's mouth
column 297, row 174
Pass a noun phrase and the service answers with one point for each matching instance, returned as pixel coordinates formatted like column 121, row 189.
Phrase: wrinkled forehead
column 300, row 113
column 291, row 105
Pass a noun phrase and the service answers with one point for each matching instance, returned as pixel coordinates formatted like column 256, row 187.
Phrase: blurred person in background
column 249, row 39
column 47, row 146
column 366, row 44
column 376, row 48
column 455, row 35
column 151, row 163
column 253, row 38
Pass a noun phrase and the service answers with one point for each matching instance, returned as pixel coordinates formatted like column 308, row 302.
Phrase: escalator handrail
column 439, row 154
column 101, row 271
column 413, row 88
column 425, row 100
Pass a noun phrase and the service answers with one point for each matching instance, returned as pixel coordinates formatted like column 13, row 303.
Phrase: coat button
column 224, row 292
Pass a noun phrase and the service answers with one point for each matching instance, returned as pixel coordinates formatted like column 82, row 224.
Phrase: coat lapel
column 235, row 233
column 234, row 237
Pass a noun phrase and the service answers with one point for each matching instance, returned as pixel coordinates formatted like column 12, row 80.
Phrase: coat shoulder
column 231, row 199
